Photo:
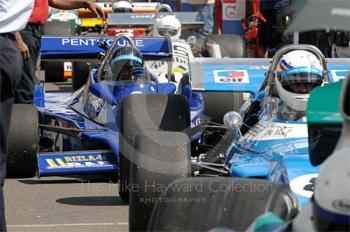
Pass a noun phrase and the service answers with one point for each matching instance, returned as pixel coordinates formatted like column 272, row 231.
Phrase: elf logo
column 231, row 76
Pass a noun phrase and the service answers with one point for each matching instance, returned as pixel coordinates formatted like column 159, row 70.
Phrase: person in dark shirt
column 28, row 41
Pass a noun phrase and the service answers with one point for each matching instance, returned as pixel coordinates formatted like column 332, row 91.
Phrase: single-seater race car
column 77, row 133
column 263, row 143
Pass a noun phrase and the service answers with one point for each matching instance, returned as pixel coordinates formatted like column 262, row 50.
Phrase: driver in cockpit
column 127, row 64
column 298, row 73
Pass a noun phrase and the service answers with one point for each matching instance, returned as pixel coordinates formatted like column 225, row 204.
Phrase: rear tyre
column 217, row 104
column 23, row 141
column 238, row 201
column 140, row 112
column 162, row 157
column 54, row 70
column 230, row 45
column 80, row 74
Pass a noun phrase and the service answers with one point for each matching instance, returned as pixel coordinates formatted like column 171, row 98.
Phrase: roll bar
column 288, row 48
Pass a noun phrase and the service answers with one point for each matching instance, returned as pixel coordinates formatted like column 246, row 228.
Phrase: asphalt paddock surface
column 69, row 204
column 64, row 204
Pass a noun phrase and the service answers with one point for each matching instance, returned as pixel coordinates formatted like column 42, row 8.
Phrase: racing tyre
column 54, row 70
column 140, row 112
column 237, row 201
column 80, row 74
column 230, row 45
column 160, row 158
column 23, row 141
column 219, row 103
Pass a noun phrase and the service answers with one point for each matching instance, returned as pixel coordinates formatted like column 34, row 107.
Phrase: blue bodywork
column 271, row 147
column 91, row 113
column 274, row 149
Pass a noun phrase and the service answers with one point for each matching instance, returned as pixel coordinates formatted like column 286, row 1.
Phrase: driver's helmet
column 127, row 64
column 122, row 7
column 169, row 26
column 331, row 200
column 298, row 72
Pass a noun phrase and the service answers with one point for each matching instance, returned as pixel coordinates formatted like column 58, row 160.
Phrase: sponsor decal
column 81, row 161
column 230, row 11
column 144, row 16
column 270, row 131
column 304, row 185
column 231, row 76
column 233, row 9
column 94, row 42
column 180, row 50
column 274, row 131
column 67, row 66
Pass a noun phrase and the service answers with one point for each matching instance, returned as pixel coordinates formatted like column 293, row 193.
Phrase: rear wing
column 245, row 74
column 188, row 20
column 86, row 48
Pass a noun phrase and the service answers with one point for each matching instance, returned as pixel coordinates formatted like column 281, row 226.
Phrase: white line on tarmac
column 77, row 224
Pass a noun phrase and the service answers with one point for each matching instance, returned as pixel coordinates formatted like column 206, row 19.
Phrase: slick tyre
column 23, row 141
column 238, row 201
column 161, row 158
column 140, row 112
column 80, row 74
column 219, row 103
column 54, row 70
column 230, row 45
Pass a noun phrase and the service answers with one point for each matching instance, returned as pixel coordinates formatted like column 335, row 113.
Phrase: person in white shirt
column 13, row 18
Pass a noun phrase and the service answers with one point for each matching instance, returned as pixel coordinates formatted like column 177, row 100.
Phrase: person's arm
column 76, row 4
column 23, row 48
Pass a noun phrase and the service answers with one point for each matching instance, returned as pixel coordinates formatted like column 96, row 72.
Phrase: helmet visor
column 127, row 67
column 167, row 32
column 301, row 80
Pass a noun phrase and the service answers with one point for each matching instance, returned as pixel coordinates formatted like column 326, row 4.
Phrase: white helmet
column 123, row 6
column 169, row 26
column 298, row 72
column 331, row 203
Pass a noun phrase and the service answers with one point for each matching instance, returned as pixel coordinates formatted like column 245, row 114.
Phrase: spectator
column 271, row 33
column 13, row 17
column 206, row 14
column 28, row 41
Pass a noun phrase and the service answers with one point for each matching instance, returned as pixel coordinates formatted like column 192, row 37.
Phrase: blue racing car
column 80, row 132
column 267, row 140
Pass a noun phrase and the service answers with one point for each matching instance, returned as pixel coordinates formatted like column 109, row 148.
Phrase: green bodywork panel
column 324, row 121
column 323, row 105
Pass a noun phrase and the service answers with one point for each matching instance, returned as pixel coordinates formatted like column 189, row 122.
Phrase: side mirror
column 345, row 112
column 232, row 120
column 345, row 99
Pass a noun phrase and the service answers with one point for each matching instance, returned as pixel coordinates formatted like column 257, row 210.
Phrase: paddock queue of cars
column 179, row 170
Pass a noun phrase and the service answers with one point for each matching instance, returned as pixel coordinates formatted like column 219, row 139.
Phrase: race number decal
column 304, row 185
column 231, row 76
